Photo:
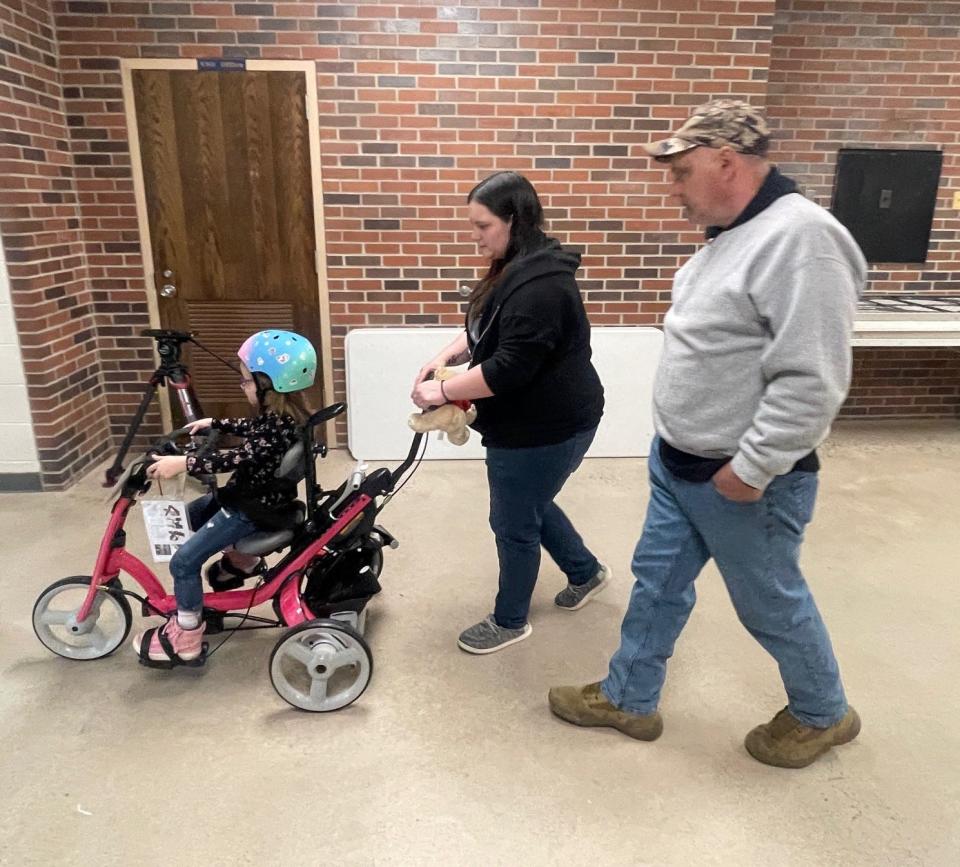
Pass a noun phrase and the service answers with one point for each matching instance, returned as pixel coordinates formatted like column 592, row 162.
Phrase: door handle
column 168, row 290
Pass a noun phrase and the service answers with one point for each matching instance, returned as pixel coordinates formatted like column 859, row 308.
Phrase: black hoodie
column 533, row 345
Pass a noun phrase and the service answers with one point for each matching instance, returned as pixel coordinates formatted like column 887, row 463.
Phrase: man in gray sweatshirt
column 756, row 363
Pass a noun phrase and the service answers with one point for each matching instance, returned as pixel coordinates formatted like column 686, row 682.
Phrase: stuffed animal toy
column 450, row 419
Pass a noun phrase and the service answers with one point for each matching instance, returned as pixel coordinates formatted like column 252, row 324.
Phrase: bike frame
column 114, row 558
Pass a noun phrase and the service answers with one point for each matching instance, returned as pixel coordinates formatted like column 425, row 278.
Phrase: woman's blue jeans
column 523, row 516
column 756, row 547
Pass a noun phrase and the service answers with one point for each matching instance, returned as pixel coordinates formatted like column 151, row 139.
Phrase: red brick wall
column 418, row 101
column 40, row 227
column 878, row 74
column 921, row 383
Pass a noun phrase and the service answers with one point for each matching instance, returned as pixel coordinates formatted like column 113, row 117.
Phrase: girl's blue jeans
column 214, row 529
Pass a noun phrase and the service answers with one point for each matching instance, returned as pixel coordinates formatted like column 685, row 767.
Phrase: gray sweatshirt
column 756, row 356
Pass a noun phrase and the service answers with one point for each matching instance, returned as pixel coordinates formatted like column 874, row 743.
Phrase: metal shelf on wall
column 907, row 320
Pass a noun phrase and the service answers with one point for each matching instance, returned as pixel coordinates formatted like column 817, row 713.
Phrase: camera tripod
column 173, row 372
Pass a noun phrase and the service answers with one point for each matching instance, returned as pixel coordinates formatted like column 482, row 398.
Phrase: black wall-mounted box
column 886, row 199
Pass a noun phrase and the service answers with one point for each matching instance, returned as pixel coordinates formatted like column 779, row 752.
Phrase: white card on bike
column 168, row 527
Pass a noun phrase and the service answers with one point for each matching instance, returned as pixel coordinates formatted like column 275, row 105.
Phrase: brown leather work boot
column 588, row 706
column 785, row 742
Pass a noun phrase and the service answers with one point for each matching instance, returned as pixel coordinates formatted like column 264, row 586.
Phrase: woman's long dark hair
column 512, row 198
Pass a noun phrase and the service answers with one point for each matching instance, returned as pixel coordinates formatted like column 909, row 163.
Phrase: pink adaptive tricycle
column 319, row 588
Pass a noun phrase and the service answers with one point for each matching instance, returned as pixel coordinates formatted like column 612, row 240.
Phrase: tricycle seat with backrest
column 291, row 469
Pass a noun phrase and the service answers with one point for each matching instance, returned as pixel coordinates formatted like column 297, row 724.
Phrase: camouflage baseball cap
column 721, row 122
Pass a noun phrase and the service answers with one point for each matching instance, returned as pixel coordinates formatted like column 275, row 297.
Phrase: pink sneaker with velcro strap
column 170, row 645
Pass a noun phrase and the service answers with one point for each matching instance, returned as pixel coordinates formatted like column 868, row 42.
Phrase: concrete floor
column 455, row 759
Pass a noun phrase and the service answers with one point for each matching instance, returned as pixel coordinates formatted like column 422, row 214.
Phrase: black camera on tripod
column 169, row 343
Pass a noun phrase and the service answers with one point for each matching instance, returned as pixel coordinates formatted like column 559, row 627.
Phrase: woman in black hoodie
column 538, row 398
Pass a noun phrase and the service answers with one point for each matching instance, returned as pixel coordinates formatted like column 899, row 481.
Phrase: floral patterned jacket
column 267, row 437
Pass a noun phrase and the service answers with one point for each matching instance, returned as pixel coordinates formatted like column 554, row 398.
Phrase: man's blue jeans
column 523, row 516
column 214, row 530
column 756, row 547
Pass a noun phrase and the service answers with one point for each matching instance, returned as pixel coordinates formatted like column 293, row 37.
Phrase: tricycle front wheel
column 105, row 629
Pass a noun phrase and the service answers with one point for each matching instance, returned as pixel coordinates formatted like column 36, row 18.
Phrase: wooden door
column 226, row 167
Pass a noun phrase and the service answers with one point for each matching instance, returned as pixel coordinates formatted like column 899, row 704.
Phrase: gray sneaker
column 575, row 596
column 487, row 637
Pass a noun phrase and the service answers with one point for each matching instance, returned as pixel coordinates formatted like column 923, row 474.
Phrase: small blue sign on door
column 222, row 64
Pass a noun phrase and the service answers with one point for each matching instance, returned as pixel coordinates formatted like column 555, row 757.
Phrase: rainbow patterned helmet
column 289, row 359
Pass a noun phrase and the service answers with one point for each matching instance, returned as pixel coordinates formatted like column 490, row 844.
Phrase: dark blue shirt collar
column 773, row 187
